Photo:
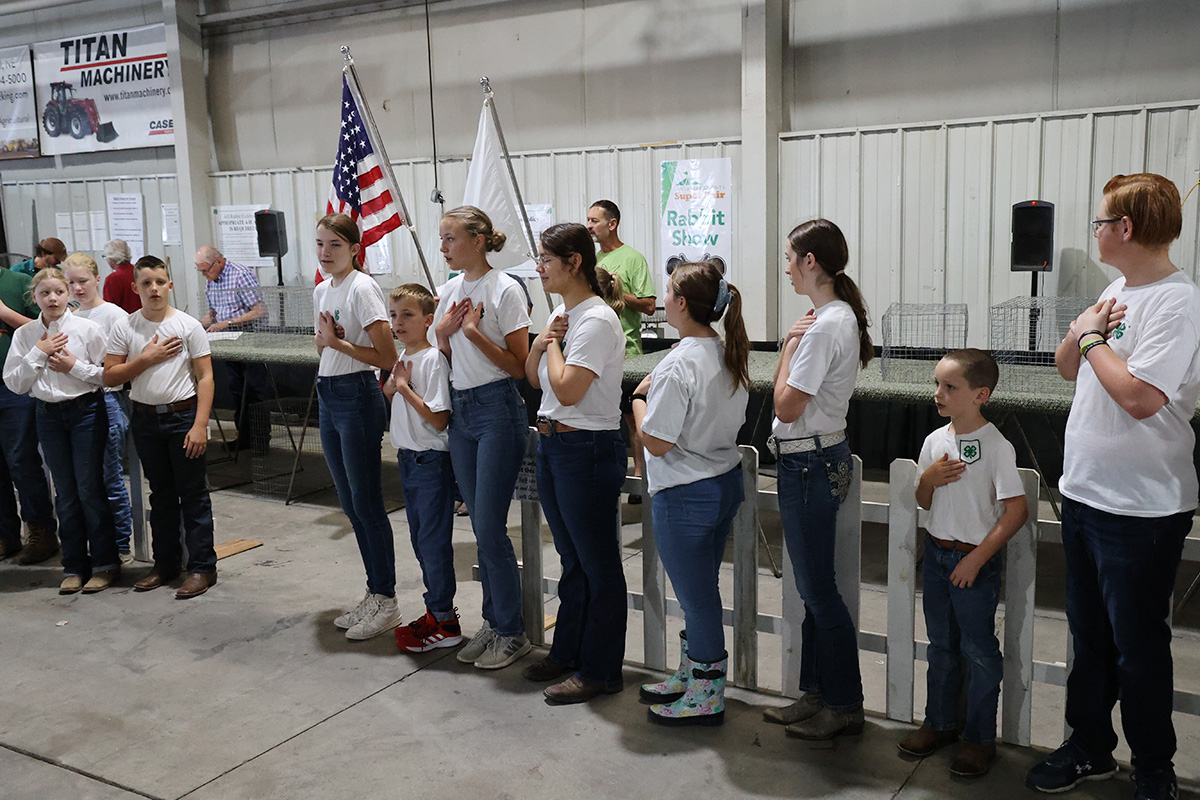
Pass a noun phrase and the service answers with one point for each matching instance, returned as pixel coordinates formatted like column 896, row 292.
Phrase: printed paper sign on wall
column 18, row 112
column 104, row 91
column 697, row 211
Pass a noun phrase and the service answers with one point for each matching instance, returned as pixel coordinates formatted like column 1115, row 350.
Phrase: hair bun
column 495, row 242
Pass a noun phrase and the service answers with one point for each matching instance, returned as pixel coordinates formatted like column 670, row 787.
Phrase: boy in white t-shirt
column 969, row 483
column 419, row 391
column 165, row 354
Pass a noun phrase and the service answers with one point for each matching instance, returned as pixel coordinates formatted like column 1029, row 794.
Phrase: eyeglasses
column 1096, row 223
column 543, row 260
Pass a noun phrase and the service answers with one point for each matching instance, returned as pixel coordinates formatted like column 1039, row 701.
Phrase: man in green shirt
column 20, row 463
column 50, row 252
column 630, row 266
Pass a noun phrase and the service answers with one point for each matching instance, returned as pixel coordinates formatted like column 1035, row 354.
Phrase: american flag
column 358, row 188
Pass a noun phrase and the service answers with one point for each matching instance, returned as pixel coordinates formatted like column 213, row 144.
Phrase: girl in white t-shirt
column 578, row 361
column 83, row 281
column 483, row 329
column 818, row 365
column 59, row 359
column 355, row 342
column 688, row 412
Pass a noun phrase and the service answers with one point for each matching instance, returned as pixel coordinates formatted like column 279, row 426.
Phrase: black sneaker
column 1155, row 784
column 1067, row 767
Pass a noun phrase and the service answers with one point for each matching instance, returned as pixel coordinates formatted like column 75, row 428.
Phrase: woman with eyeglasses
column 578, row 361
column 1129, row 490
column 814, row 379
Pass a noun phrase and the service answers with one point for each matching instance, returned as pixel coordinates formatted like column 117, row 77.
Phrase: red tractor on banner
column 79, row 117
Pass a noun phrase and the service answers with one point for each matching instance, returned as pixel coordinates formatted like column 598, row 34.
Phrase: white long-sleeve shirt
column 27, row 369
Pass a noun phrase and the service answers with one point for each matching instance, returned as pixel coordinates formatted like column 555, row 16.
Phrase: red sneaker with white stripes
column 427, row 633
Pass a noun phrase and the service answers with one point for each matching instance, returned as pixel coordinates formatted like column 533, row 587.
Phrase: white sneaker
column 479, row 642
column 383, row 614
column 351, row 618
column 502, row 651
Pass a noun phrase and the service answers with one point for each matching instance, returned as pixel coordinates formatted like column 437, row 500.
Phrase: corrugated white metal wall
column 927, row 208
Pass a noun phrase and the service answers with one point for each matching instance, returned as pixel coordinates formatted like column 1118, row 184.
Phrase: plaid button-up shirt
column 227, row 303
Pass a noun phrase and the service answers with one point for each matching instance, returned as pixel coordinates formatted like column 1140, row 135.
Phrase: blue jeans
column 1120, row 581
column 427, row 481
column 962, row 625
column 808, row 510
column 116, row 405
column 353, row 416
column 691, row 526
column 488, row 431
column 178, row 491
column 21, row 466
column 579, row 480
column 73, row 434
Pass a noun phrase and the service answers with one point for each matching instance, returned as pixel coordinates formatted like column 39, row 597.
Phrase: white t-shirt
column 431, row 380
column 691, row 403
column 967, row 509
column 825, row 366
column 169, row 381
column 355, row 303
column 1114, row 462
column 594, row 341
column 105, row 315
column 26, row 369
column 504, row 311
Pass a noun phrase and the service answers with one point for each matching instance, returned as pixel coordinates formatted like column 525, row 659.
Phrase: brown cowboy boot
column 42, row 544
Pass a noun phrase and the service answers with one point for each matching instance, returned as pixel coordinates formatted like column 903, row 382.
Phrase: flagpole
column 386, row 165
column 489, row 100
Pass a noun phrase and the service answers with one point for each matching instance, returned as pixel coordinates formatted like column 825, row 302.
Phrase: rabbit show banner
column 18, row 117
column 697, row 213
column 104, row 91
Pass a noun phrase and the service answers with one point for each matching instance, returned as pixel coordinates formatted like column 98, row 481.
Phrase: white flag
column 490, row 188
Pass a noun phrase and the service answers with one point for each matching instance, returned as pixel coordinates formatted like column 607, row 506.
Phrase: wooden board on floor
column 235, row 546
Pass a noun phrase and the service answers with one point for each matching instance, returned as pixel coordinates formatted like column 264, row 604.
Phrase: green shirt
column 14, row 287
column 27, row 267
column 630, row 266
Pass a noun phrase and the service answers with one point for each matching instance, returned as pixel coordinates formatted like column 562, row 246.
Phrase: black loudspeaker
column 1033, row 236
column 272, row 233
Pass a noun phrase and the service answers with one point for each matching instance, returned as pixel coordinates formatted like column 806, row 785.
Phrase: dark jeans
column 961, row 623
column 178, row 491
column 579, row 480
column 427, row 481
column 808, row 511
column 691, row 526
column 488, row 431
column 353, row 416
column 1120, row 580
column 116, row 405
column 21, row 466
column 249, row 383
column 73, row 435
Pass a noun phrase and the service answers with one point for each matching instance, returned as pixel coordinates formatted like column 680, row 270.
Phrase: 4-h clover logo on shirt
column 1119, row 332
column 969, row 451
column 337, row 314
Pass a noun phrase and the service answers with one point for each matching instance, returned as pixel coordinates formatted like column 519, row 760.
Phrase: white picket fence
column 899, row 643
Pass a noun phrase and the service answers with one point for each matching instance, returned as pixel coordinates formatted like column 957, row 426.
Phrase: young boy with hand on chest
column 969, row 483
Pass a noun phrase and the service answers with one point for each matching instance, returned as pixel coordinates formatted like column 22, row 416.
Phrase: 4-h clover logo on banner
column 969, row 450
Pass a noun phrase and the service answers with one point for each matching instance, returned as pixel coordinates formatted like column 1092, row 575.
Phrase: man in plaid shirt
column 235, row 302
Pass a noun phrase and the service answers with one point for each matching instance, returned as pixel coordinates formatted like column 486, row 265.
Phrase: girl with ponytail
column 818, row 365
column 688, row 412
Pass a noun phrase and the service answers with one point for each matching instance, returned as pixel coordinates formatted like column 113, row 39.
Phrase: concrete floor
column 250, row 692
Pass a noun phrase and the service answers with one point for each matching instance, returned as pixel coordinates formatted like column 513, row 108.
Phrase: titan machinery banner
column 697, row 213
column 104, row 91
column 18, row 112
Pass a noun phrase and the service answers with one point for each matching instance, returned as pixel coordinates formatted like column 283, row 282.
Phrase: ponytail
column 828, row 246
column 700, row 285
column 612, row 291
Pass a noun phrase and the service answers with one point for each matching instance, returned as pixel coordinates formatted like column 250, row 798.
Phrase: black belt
column 81, row 400
column 166, row 408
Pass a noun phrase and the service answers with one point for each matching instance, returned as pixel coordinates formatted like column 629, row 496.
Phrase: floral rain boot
column 674, row 686
column 702, row 703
